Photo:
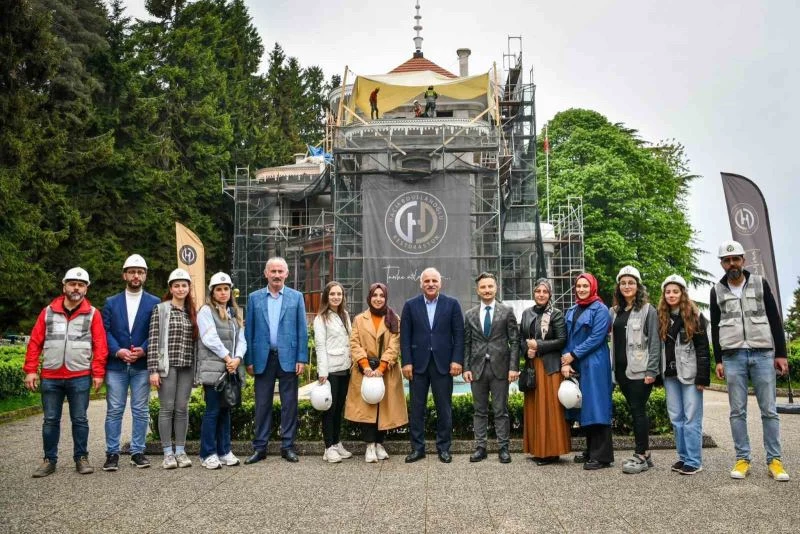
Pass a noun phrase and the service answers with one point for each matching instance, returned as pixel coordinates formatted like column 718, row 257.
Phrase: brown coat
column 364, row 343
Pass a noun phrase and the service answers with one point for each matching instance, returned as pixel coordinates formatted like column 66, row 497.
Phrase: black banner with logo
column 410, row 226
column 749, row 217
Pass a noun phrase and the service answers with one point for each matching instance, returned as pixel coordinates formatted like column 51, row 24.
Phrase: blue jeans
column 117, row 384
column 76, row 391
column 215, row 432
column 685, row 408
column 759, row 366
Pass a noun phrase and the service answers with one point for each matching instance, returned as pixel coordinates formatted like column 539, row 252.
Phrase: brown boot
column 83, row 466
column 46, row 468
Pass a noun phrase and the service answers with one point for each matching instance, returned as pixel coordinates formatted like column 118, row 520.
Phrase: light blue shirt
column 274, row 314
column 430, row 305
column 210, row 338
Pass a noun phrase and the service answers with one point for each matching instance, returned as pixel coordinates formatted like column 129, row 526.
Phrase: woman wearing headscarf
column 586, row 353
column 635, row 358
column 374, row 350
column 543, row 334
column 686, row 367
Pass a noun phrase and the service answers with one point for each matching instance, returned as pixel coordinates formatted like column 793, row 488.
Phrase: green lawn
column 16, row 403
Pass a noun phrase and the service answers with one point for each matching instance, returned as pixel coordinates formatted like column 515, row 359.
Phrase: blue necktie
column 487, row 322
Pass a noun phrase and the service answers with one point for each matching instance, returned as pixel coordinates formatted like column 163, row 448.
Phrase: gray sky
column 719, row 76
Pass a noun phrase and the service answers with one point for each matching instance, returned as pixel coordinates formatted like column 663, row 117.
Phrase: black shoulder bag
column 229, row 387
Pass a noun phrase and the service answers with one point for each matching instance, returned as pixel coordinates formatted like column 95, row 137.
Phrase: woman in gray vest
column 221, row 349
column 635, row 357
column 686, row 366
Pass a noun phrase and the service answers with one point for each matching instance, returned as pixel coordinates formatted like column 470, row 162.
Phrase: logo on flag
column 745, row 218
column 188, row 254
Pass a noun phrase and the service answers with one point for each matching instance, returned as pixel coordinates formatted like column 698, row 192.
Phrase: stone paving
column 428, row 496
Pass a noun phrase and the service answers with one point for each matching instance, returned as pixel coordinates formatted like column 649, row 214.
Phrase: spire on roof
column 418, row 38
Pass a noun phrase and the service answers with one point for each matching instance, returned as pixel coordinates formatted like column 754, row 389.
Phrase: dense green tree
column 792, row 322
column 633, row 198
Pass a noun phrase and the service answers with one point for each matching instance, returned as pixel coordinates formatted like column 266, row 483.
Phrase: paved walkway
column 312, row 496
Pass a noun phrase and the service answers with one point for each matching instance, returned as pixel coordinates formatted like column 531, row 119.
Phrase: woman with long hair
column 543, row 334
column 221, row 349
column 686, row 365
column 375, row 351
column 586, row 353
column 332, row 341
column 170, row 361
column 635, row 357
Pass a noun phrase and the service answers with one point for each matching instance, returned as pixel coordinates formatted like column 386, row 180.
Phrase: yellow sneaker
column 741, row 469
column 776, row 470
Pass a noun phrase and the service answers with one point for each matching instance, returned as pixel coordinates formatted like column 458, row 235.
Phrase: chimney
column 463, row 61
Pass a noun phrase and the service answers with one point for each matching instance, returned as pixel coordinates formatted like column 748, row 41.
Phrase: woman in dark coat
column 586, row 353
column 542, row 336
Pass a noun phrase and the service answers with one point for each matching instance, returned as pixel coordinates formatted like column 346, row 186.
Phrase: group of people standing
column 140, row 341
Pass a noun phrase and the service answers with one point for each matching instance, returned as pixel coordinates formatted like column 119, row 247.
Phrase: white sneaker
column 380, row 452
column 169, row 462
column 212, row 462
column 183, row 460
column 229, row 459
column 343, row 453
column 371, row 457
column 332, row 455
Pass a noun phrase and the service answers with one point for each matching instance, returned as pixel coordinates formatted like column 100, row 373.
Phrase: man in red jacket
column 70, row 343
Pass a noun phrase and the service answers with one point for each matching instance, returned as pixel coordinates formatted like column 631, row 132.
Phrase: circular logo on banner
column 416, row 222
column 187, row 254
column 745, row 218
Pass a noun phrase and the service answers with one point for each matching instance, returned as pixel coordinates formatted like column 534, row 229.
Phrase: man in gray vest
column 70, row 341
column 749, row 344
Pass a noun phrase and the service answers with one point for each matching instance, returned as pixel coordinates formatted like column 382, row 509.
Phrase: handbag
column 527, row 377
column 229, row 387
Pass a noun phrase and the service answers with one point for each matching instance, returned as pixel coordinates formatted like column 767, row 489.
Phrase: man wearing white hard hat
column 126, row 317
column 69, row 343
column 749, row 344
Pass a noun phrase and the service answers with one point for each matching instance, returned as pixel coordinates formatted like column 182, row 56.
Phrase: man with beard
column 70, row 338
column 749, row 344
column 126, row 317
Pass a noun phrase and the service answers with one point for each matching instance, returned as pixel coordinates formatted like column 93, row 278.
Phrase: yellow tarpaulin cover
column 402, row 88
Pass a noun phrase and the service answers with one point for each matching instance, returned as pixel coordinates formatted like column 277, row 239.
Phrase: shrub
column 12, row 359
column 310, row 424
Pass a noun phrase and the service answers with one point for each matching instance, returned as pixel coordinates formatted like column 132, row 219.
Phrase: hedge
column 12, row 358
column 310, row 425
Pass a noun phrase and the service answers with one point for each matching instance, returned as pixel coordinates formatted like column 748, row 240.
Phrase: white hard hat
column 76, row 273
column 219, row 278
column 673, row 279
column 321, row 397
column 629, row 270
column 135, row 260
column 569, row 393
column 178, row 274
column 416, row 101
column 372, row 389
column 730, row 248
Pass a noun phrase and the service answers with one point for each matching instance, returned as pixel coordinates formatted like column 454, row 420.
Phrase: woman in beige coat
column 374, row 350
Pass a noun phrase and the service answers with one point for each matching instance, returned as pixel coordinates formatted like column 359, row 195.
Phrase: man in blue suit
column 126, row 317
column 432, row 348
column 277, row 348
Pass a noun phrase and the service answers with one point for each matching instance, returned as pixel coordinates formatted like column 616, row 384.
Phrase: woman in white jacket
column 332, row 341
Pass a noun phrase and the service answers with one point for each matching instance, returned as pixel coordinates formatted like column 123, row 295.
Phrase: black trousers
column 441, row 385
column 598, row 443
column 637, row 393
column 332, row 418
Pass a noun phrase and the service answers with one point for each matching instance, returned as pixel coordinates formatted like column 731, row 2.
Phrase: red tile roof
column 418, row 64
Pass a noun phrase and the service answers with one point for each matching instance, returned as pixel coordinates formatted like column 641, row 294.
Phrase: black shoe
column 593, row 465
column 581, row 458
column 504, row 456
column 445, row 457
column 112, row 462
column 415, row 456
column 140, row 460
column 546, row 460
column 478, row 455
column 289, row 455
column 690, row 470
column 257, row 456
column 677, row 466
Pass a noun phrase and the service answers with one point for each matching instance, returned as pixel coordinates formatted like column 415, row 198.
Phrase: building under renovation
column 395, row 191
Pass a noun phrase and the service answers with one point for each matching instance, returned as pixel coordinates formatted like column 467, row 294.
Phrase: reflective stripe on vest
column 743, row 321
column 68, row 341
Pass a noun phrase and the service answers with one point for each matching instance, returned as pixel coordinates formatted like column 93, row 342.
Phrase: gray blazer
column 501, row 345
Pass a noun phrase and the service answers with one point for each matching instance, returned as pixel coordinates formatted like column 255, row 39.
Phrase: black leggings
column 637, row 393
column 332, row 418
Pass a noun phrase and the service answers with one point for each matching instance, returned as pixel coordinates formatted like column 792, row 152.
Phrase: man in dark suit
column 491, row 362
column 277, row 348
column 432, row 348
column 126, row 317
